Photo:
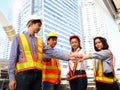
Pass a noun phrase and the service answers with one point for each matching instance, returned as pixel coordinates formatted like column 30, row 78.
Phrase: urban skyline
column 109, row 26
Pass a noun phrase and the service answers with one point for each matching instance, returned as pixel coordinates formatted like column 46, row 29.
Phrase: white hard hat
column 33, row 17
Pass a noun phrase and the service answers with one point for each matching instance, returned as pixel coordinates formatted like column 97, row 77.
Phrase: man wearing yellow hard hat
column 51, row 73
column 25, row 67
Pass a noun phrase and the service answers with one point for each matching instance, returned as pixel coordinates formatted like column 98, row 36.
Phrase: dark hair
column 75, row 36
column 34, row 21
column 51, row 37
column 104, row 42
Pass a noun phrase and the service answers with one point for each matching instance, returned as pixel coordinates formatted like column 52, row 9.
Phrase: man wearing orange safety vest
column 25, row 61
column 51, row 72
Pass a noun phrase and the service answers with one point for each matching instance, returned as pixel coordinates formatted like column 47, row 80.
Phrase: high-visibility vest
column 51, row 72
column 29, row 61
column 100, row 77
column 72, row 73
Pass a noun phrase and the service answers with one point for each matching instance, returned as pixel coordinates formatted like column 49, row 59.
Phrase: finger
column 15, row 86
column 10, row 88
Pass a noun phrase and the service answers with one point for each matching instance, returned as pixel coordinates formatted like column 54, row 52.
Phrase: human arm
column 102, row 55
column 12, row 62
column 46, row 57
column 13, row 58
column 87, row 57
column 52, row 53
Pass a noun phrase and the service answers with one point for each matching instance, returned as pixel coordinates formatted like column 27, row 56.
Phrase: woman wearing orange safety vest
column 77, row 74
column 105, row 78
column 51, row 73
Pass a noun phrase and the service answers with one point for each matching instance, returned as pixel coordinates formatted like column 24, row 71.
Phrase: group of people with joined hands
column 104, row 74
column 26, row 64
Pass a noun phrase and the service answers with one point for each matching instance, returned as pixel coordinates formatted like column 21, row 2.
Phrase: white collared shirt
column 80, row 65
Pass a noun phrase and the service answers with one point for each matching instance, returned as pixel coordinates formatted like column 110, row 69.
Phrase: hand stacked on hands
column 76, row 57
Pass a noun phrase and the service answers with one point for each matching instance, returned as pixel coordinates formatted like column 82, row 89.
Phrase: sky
column 4, row 9
column 4, row 4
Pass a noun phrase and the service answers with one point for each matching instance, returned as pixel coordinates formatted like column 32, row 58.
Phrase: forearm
column 58, row 55
column 87, row 57
column 11, row 67
column 51, row 53
column 11, row 72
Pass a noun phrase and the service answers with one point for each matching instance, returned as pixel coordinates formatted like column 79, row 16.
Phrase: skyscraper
column 93, row 24
column 4, row 46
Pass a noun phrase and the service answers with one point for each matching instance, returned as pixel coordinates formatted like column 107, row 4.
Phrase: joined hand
column 76, row 57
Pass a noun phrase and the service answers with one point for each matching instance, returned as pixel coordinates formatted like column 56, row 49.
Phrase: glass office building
column 61, row 16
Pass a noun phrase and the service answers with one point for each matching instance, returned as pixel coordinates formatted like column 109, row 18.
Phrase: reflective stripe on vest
column 99, row 76
column 51, row 72
column 76, row 76
column 29, row 61
column 72, row 73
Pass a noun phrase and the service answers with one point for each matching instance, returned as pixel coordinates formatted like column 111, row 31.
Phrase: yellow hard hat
column 51, row 34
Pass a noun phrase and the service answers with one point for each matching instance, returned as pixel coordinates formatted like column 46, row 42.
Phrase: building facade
column 93, row 22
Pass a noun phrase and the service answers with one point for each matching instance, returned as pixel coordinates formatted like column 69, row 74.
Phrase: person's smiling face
column 74, row 43
column 98, row 44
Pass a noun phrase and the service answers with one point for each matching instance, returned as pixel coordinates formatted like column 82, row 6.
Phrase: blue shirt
column 106, row 57
column 17, row 55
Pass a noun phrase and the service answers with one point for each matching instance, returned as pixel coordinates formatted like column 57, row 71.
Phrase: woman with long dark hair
column 105, row 78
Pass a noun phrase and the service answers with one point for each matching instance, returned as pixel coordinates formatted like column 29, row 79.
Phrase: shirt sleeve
column 46, row 58
column 102, row 55
column 52, row 53
column 13, row 58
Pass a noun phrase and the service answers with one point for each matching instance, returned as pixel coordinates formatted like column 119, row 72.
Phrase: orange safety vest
column 100, row 77
column 72, row 73
column 51, row 72
column 29, row 61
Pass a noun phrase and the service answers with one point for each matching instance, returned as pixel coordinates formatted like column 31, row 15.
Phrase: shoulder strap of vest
column 75, row 66
column 112, row 62
column 72, row 73
column 24, row 42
